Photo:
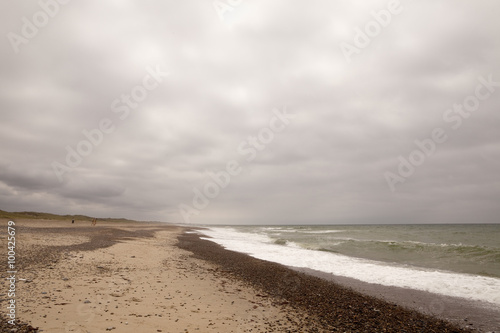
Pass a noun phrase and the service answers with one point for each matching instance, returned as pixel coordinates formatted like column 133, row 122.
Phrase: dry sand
column 129, row 278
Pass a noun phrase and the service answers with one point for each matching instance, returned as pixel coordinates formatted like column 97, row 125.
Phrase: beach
column 130, row 277
column 155, row 277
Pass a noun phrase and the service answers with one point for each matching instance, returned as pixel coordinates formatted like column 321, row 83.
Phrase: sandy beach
column 151, row 277
column 130, row 277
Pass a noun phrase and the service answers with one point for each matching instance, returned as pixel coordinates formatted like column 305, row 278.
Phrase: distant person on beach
column 94, row 221
column 72, row 221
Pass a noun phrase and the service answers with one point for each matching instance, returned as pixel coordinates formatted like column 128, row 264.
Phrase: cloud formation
column 228, row 72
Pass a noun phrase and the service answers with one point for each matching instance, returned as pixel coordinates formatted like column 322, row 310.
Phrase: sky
column 252, row 112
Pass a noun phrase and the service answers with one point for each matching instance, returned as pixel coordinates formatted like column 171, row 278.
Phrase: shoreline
column 483, row 317
column 312, row 291
column 153, row 276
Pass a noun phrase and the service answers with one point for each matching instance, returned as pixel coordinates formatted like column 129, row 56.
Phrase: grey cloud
column 352, row 121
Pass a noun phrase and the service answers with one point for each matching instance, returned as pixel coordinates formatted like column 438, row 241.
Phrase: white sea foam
column 322, row 232
column 260, row 246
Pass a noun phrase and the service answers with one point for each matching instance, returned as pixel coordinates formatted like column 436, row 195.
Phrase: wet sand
column 482, row 317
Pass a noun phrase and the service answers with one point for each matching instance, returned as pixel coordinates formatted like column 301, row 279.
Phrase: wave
column 463, row 249
column 296, row 230
column 336, row 244
column 280, row 241
column 481, row 288
column 322, row 232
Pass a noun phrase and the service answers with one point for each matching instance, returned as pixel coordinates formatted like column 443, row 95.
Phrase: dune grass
column 55, row 217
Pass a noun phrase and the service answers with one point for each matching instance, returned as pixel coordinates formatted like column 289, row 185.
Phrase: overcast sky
column 352, row 94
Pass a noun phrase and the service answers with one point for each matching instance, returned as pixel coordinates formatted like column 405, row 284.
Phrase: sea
column 454, row 260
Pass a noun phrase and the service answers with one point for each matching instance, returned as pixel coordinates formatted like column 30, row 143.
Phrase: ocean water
column 454, row 260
